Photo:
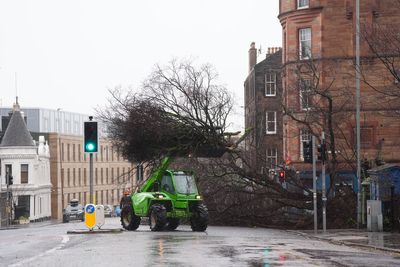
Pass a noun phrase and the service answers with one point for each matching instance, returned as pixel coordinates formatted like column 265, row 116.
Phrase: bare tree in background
column 381, row 70
column 181, row 110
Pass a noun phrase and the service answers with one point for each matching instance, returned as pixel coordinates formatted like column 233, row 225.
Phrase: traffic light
column 91, row 137
column 281, row 176
column 307, row 151
column 322, row 152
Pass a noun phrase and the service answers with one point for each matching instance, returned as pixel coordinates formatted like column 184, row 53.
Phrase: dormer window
column 302, row 4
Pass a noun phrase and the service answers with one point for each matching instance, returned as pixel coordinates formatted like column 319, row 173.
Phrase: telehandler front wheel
column 157, row 217
column 129, row 220
column 199, row 219
column 172, row 224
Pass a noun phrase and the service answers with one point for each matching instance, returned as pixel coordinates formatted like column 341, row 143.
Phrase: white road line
column 64, row 241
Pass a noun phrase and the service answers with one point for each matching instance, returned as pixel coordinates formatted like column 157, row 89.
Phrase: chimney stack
column 273, row 50
column 252, row 56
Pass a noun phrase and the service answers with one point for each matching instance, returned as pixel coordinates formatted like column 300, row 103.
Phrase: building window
column 106, row 153
column 107, row 182
column 305, row 43
column 85, row 177
column 68, row 150
column 79, row 153
column 118, row 176
column 302, row 4
column 272, row 158
column 101, row 153
column 270, row 118
column 305, row 136
column 73, row 177
column 62, row 152
column 68, row 177
column 270, row 84
column 305, row 94
column 62, row 178
column 73, row 152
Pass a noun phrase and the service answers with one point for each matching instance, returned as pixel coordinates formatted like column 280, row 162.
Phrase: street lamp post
column 358, row 112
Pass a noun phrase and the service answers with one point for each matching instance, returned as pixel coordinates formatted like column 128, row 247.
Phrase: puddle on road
column 228, row 251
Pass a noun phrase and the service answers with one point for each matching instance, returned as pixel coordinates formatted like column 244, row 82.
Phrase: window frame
column 268, row 121
column 299, row 2
column 270, row 84
column 301, row 41
column 272, row 158
column 305, row 94
column 304, row 136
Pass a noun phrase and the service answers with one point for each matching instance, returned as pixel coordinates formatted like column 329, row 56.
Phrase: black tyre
column 199, row 219
column 129, row 220
column 65, row 219
column 172, row 224
column 157, row 217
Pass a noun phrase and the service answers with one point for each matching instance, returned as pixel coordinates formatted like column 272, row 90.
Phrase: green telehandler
column 166, row 197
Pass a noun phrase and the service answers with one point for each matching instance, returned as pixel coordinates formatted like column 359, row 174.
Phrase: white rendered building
column 28, row 162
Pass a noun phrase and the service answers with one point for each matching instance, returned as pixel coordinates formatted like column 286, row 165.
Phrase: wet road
column 49, row 245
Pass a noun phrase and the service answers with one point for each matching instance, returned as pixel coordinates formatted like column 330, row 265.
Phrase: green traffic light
column 90, row 147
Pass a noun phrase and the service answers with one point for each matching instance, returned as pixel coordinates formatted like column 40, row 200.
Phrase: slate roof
column 17, row 133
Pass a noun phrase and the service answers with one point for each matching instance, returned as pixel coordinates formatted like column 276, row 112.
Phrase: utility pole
column 323, row 182
column 314, row 185
column 358, row 137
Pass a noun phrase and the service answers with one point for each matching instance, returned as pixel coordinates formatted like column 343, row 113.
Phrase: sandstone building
column 319, row 81
column 263, row 109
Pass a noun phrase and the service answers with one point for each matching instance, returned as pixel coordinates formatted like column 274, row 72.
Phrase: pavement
column 384, row 241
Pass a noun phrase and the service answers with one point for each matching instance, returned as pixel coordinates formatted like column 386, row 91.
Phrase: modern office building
column 41, row 120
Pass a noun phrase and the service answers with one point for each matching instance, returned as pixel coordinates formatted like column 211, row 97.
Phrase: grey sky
column 68, row 53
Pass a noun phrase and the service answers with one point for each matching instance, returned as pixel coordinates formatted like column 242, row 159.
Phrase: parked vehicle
column 108, row 211
column 73, row 211
column 166, row 197
column 117, row 210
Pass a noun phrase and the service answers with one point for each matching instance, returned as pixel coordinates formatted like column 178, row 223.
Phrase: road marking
column 64, row 241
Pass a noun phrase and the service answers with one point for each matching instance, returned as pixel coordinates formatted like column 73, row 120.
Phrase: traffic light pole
column 91, row 178
column 314, row 185
column 323, row 186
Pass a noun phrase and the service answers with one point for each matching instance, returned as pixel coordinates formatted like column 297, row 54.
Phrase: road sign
column 99, row 216
column 90, row 216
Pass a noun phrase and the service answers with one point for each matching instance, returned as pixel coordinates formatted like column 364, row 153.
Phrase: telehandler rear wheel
column 199, row 219
column 157, row 217
column 129, row 220
column 172, row 224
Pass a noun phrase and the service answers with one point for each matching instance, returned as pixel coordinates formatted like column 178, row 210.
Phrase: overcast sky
column 67, row 54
